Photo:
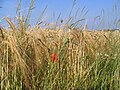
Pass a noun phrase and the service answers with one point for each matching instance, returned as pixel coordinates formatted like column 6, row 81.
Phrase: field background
column 67, row 56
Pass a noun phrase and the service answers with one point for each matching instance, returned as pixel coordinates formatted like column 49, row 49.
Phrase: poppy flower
column 53, row 58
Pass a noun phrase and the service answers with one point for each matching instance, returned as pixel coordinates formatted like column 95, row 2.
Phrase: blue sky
column 55, row 7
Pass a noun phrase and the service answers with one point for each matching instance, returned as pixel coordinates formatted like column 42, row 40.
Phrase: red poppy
column 53, row 58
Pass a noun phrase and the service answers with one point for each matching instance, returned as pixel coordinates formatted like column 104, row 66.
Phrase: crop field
column 57, row 57
column 49, row 59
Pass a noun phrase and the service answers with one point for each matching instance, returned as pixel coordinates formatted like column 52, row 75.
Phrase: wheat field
column 63, row 55
column 49, row 59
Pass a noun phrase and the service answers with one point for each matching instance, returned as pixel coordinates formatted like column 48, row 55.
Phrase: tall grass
column 87, row 60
